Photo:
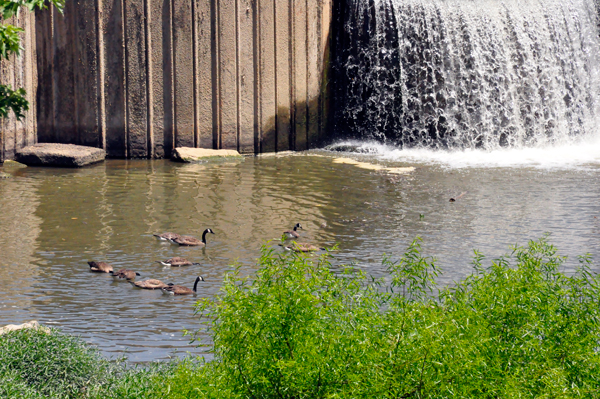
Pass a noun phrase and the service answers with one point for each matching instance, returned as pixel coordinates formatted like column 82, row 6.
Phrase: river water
column 55, row 220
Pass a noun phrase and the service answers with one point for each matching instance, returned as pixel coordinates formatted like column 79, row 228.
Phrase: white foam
column 583, row 154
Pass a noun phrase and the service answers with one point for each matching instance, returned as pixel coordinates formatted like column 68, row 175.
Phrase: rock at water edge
column 65, row 155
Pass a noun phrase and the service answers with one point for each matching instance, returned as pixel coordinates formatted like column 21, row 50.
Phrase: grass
column 518, row 327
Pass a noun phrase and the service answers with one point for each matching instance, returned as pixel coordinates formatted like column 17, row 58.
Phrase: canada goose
column 167, row 236
column 461, row 194
column 151, row 284
column 299, row 247
column 180, row 290
column 177, row 262
column 192, row 241
column 100, row 267
column 292, row 233
column 124, row 273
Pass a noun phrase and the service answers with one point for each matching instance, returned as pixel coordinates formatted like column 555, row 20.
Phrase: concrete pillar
column 267, row 107
column 86, row 71
column 111, row 48
column 205, row 98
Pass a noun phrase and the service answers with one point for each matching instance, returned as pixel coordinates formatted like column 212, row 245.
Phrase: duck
column 124, row 273
column 192, row 241
column 181, row 290
column 292, row 233
column 177, row 262
column 151, row 284
column 301, row 247
column 167, row 236
column 100, row 267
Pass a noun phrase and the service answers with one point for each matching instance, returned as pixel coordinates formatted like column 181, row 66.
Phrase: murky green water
column 54, row 220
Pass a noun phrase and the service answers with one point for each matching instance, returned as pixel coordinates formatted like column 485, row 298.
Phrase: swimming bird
column 124, row 273
column 181, row 290
column 300, row 247
column 167, row 236
column 292, row 233
column 192, row 241
column 100, row 267
column 151, row 284
column 176, row 262
column 461, row 194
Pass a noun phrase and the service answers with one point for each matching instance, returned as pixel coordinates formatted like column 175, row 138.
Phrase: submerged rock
column 65, row 155
column 9, row 164
column 188, row 154
column 370, row 166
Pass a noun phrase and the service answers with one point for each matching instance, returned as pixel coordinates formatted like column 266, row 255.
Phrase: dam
column 139, row 79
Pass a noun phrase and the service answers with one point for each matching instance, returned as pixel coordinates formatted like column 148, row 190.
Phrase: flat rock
column 14, row 327
column 66, row 155
column 189, row 154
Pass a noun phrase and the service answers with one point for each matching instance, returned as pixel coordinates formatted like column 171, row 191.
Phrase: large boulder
column 188, row 154
column 66, row 155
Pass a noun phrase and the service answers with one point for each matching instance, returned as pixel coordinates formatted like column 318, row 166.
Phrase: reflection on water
column 55, row 220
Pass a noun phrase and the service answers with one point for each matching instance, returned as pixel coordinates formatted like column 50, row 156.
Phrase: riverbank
column 516, row 327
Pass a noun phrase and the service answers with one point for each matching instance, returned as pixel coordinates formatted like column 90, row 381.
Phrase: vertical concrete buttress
column 141, row 77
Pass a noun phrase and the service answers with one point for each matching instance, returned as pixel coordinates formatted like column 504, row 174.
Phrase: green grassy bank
column 516, row 327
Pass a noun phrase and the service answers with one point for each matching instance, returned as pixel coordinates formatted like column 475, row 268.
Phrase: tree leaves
column 10, row 8
column 12, row 99
column 10, row 43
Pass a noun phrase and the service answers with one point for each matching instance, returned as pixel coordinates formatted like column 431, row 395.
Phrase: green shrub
column 298, row 330
column 49, row 364
column 133, row 382
column 14, row 386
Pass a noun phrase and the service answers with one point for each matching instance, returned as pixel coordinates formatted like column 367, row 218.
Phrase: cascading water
column 466, row 74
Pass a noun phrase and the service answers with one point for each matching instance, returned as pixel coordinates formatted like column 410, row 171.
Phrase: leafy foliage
column 12, row 99
column 9, row 40
column 10, row 43
column 298, row 330
column 9, row 8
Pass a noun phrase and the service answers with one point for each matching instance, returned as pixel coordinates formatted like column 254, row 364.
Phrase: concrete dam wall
column 139, row 78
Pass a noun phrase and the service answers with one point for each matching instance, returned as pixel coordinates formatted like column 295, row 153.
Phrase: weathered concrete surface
column 188, row 154
column 20, row 72
column 139, row 79
column 14, row 327
column 66, row 155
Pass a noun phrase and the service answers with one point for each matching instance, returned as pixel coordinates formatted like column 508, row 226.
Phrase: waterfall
column 467, row 73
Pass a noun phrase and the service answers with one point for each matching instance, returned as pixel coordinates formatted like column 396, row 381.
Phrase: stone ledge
column 189, row 154
column 65, row 155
